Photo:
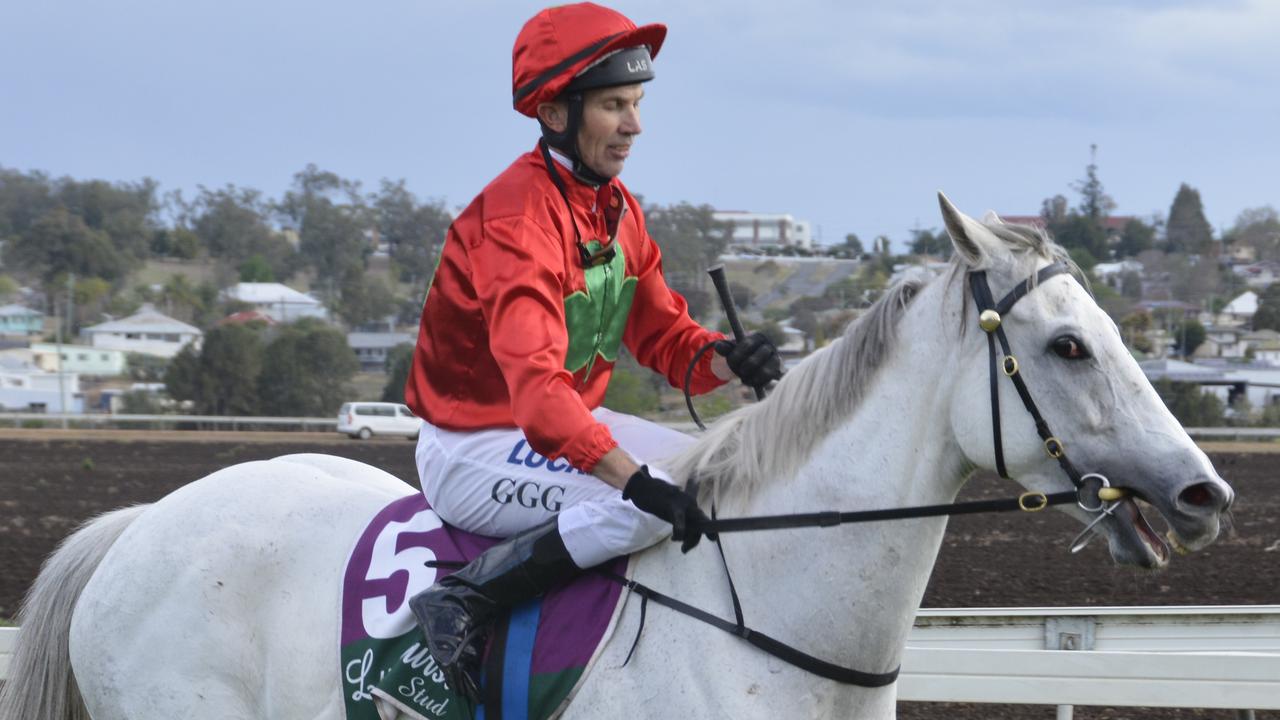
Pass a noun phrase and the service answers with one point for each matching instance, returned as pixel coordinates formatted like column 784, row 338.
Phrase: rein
column 1092, row 490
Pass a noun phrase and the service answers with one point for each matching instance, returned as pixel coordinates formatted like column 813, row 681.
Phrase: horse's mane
column 771, row 439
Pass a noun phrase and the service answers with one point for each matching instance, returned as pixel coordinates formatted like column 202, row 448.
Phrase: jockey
column 541, row 278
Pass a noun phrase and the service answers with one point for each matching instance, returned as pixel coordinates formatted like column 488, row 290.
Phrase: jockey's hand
column 670, row 503
column 755, row 360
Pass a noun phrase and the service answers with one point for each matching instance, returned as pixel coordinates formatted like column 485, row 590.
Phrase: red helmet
column 560, row 42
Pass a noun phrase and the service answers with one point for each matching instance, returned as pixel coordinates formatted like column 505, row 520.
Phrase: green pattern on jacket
column 597, row 317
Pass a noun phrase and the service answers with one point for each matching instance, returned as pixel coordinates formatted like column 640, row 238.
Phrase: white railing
column 251, row 422
column 1195, row 657
column 167, row 422
column 1192, row 657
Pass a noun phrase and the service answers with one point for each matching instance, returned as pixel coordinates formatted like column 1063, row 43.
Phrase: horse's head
column 1089, row 390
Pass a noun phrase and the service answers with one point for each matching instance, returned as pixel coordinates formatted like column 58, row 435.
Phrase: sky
column 850, row 115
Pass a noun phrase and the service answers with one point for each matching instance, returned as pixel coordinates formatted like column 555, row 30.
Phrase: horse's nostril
column 1198, row 495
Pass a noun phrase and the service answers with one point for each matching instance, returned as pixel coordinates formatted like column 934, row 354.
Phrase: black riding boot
column 456, row 612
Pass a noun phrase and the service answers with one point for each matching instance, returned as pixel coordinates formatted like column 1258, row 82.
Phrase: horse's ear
column 967, row 235
column 991, row 218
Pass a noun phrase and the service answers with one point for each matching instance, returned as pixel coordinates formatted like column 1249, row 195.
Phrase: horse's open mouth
column 1139, row 543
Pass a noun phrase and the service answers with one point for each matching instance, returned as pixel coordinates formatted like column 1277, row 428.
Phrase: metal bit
column 1086, row 536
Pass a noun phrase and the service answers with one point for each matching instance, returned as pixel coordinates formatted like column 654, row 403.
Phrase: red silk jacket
column 516, row 332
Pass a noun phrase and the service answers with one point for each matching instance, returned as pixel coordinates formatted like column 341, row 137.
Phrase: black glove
column 755, row 359
column 669, row 503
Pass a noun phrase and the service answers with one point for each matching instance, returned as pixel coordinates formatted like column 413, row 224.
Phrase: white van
column 365, row 419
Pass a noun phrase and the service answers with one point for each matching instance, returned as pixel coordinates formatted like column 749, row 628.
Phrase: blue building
column 19, row 320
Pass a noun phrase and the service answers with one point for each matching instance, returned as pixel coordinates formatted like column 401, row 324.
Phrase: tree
column 145, row 368
column 256, row 269
column 363, row 299
column 1188, row 335
column 1137, row 237
column 1095, row 203
column 333, row 224
column 232, row 224
column 1079, row 232
column 61, row 242
column 399, row 363
column 850, row 248
column 221, row 378
column 691, row 240
column 931, row 242
column 1054, row 210
column 1191, row 406
column 305, row 370
column 181, row 299
column 124, row 211
column 1187, row 230
column 1258, row 228
column 414, row 231
column 1267, row 316
column 1134, row 327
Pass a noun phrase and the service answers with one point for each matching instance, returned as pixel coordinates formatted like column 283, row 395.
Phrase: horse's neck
column 849, row 594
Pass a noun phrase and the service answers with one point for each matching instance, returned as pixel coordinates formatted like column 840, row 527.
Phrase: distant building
column 1240, row 310
column 281, row 302
column 1264, row 346
column 761, row 230
column 19, row 320
column 371, row 349
column 245, row 317
column 26, row 388
column 146, row 331
column 1113, row 273
column 81, row 359
column 1222, row 341
column 1258, row 275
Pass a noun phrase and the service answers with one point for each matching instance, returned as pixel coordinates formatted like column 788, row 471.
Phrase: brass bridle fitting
column 989, row 320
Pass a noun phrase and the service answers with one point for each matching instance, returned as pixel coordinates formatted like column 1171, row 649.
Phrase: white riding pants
column 492, row 483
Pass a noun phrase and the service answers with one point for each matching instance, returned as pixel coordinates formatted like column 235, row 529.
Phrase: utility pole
column 62, row 390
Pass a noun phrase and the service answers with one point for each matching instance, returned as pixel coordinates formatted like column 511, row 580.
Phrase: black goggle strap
column 1008, row 364
column 588, row 258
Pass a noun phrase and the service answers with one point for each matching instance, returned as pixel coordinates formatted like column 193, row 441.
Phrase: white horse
column 221, row 600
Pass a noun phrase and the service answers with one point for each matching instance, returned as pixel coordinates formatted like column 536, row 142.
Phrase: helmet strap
column 567, row 141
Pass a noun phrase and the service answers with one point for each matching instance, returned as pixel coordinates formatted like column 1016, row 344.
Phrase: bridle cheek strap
column 990, row 319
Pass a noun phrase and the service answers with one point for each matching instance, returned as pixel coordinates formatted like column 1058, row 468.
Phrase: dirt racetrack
column 52, row 480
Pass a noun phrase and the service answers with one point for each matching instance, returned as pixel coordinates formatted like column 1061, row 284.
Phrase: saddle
column 537, row 655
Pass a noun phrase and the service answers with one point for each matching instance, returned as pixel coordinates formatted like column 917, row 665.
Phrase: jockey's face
column 610, row 122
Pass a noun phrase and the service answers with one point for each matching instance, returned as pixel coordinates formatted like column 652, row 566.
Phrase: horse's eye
column 1069, row 347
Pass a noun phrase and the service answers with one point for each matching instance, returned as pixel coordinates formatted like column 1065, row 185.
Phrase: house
column 1240, row 310
column 759, row 230
column 1258, row 275
column 1228, row 381
column 1113, row 273
column 1264, row 346
column 1222, row 341
column 26, row 388
column 281, row 302
column 373, row 348
column 146, row 331
column 20, row 320
column 244, row 317
column 81, row 359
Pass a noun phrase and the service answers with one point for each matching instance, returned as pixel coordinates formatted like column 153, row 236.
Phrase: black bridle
column 991, row 319
column 1087, row 493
